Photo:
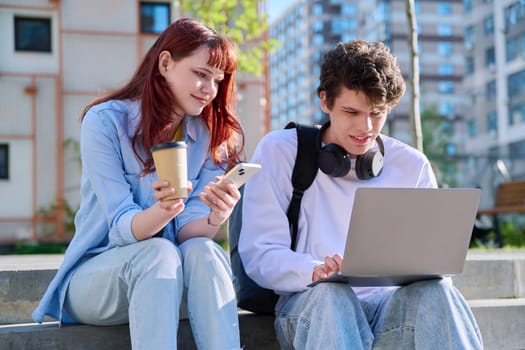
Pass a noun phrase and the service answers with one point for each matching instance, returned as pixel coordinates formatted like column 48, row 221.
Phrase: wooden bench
column 510, row 199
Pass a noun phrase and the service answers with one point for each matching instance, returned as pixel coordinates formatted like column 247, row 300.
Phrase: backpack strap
column 304, row 171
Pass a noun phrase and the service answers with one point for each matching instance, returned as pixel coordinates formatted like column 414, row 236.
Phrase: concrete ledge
column 256, row 333
column 20, row 292
column 23, row 279
column 26, row 262
column 489, row 275
column 501, row 322
column 51, row 336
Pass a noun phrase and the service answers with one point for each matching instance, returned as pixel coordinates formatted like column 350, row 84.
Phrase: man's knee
column 332, row 291
column 334, row 297
column 431, row 292
column 432, row 288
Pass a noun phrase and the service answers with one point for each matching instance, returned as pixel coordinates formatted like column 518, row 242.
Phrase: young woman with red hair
column 136, row 256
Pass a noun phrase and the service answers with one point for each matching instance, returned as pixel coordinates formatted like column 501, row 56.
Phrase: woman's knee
column 157, row 253
column 199, row 249
column 203, row 256
column 160, row 247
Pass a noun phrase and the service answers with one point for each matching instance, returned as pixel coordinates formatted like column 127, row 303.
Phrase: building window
column 299, row 12
column 444, row 30
column 515, row 85
column 467, row 5
column 469, row 65
column 472, row 128
column 317, row 9
column 445, row 48
column 488, row 25
column 446, row 109
column 492, row 122
column 517, row 114
column 4, row 161
column 514, row 14
column 511, row 51
column 451, row 149
column 351, row 9
column 340, row 26
column 521, row 45
column 445, row 69
column 154, row 17
column 446, row 87
column 318, row 26
column 517, row 149
column 491, row 90
column 444, row 8
column 318, row 40
column 490, row 57
column 32, row 34
column 469, row 37
column 515, row 46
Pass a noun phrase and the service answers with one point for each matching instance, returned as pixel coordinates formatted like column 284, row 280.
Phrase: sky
column 276, row 7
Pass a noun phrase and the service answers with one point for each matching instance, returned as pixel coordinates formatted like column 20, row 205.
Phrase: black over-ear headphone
column 335, row 161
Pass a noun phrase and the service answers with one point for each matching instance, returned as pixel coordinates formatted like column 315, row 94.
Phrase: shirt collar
column 191, row 124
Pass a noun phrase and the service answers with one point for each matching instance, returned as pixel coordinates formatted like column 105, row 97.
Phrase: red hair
column 181, row 39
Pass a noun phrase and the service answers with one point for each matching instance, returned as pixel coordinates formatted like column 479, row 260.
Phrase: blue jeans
column 144, row 284
column 424, row 315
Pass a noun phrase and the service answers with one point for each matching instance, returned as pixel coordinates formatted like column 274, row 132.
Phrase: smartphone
column 241, row 172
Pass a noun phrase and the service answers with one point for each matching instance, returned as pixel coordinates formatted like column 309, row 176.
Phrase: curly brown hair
column 360, row 65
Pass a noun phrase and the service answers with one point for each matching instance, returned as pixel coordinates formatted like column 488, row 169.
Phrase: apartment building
column 305, row 31
column 494, row 83
column 440, row 40
column 471, row 59
column 57, row 56
column 310, row 27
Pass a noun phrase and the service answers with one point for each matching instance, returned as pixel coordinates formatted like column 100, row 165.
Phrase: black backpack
column 250, row 296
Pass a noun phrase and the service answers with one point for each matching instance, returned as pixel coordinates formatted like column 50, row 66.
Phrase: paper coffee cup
column 171, row 164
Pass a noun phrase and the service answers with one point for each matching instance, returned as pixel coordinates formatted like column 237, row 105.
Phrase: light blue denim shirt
column 113, row 191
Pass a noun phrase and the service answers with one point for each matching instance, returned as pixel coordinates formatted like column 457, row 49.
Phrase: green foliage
column 513, row 235
column 437, row 134
column 512, row 229
column 241, row 21
column 72, row 146
column 39, row 248
column 69, row 215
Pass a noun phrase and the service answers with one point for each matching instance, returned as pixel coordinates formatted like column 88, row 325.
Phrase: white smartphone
column 241, row 172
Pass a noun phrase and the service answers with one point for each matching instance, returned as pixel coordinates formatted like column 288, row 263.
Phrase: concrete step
column 24, row 278
column 501, row 322
column 23, row 281
column 489, row 275
column 256, row 333
column 493, row 283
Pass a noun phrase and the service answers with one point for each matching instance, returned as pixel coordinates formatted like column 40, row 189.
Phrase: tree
column 414, row 114
column 437, row 136
column 241, row 20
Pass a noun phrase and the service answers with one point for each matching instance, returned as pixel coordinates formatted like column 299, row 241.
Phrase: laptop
column 397, row 236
